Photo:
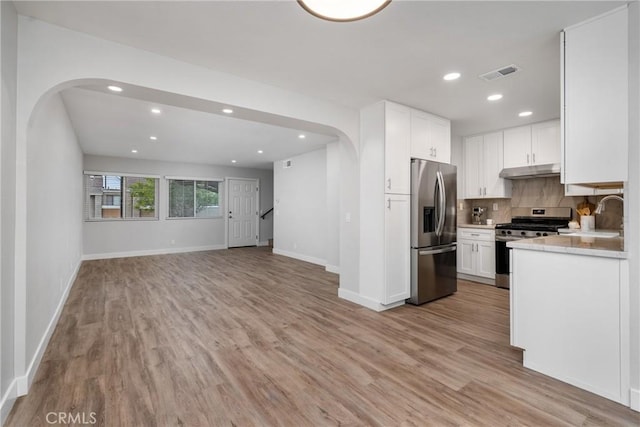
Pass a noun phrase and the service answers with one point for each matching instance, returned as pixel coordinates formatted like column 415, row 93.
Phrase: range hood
column 535, row 171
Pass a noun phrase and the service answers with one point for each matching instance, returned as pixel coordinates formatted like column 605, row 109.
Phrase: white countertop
column 578, row 245
column 485, row 226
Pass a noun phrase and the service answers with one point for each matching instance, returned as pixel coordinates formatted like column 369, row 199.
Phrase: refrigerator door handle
column 451, row 248
column 442, row 203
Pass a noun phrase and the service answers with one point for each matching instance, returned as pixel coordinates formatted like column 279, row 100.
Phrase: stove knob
column 544, row 234
column 508, row 232
column 538, row 234
column 522, row 233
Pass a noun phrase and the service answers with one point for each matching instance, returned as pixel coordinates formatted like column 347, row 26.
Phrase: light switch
column 495, row 206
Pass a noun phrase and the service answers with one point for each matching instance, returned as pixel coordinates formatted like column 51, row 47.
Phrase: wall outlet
column 173, row 242
column 495, row 206
column 461, row 206
column 347, row 217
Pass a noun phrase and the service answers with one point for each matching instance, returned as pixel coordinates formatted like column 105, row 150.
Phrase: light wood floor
column 243, row 337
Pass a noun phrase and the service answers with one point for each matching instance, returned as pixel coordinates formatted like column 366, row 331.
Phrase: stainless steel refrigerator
column 433, row 230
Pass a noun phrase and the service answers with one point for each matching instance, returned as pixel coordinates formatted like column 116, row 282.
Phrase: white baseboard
column 265, row 243
column 164, row 251
column 312, row 260
column 24, row 382
column 366, row 301
column 478, row 279
column 8, row 400
column 332, row 269
column 635, row 400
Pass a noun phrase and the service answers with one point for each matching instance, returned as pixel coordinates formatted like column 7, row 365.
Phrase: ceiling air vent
column 499, row 73
column 286, row 164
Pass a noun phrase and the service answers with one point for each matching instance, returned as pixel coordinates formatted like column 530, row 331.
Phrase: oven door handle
column 508, row 239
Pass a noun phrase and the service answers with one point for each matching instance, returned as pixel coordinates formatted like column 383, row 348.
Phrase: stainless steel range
column 526, row 223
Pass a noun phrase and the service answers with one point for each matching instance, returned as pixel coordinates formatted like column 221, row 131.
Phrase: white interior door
column 243, row 212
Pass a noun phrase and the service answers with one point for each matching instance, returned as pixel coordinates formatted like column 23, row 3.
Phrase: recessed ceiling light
column 233, row 161
column 494, row 97
column 260, row 151
column 134, row 151
column 227, row 110
column 525, row 114
column 156, row 111
column 302, row 136
column 114, row 88
column 153, row 138
column 451, row 76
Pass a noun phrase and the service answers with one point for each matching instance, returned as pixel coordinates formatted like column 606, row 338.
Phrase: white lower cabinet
column 476, row 252
column 397, row 243
column 570, row 314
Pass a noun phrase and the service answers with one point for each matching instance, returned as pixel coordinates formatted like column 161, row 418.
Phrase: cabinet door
column 397, row 279
column 545, row 143
column 517, row 147
column 439, row 136
column 397, row 149
column 596, row 100
column 472, row 157
column 465, row 256
column 486, row 259
column 492, row 152
column 420, row 146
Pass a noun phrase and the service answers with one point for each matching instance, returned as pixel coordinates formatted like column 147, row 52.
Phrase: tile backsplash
column 540, row 192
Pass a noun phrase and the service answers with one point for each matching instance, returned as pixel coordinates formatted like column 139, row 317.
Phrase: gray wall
column 112, row 238
column 8, row 63
column 300, row 202
column 54, row 219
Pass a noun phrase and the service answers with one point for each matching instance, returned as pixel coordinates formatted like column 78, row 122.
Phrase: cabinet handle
column 435, row 152
column 476, row 247
column 475, row 234
column 389, row 203
column 484, row 192
column 389, row 183
column 527, row 159
column 534, row 158
column 479, row 191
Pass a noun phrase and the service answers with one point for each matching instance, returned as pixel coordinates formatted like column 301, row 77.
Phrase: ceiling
column 108, row 124
column 399, row 54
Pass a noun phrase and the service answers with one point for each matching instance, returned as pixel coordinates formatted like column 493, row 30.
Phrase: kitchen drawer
column 476, row 234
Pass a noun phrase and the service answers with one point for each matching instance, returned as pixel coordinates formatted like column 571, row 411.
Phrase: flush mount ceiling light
column 233, row 161
column 153, row 138
column 227, row 110
column 302, row 136
column 525, row 114
column 260, row 151
column 343, row 10
column 494, row 97
column 113, row 88
column 451, row 76
column 134, row 151
column 156, row 111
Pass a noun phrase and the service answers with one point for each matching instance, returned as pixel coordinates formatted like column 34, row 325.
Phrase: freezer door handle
column 444, row 250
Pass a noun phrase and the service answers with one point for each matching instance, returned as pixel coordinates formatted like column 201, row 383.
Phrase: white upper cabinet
column 537, row 144
column 545, row 142
column 482, row 157
column 595, row 100
column 430, row 137
column 397, row 146
column 517, row 147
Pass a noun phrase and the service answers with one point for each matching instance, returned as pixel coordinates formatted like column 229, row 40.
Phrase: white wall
column 54, row 222
column 300, row 207
column 333, row 208
column 632, row 201
column 114, row 238
column 8, row 66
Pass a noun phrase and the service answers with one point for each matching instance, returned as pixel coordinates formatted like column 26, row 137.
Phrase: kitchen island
column 570, row 311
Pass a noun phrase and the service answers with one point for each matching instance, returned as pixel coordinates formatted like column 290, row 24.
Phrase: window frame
column 123, row 198
column 195, row 180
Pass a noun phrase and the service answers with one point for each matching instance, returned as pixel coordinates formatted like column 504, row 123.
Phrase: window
column 190, row 198
column 117, row 196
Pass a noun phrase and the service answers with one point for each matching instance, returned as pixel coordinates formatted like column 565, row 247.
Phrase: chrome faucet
column 600, row 207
